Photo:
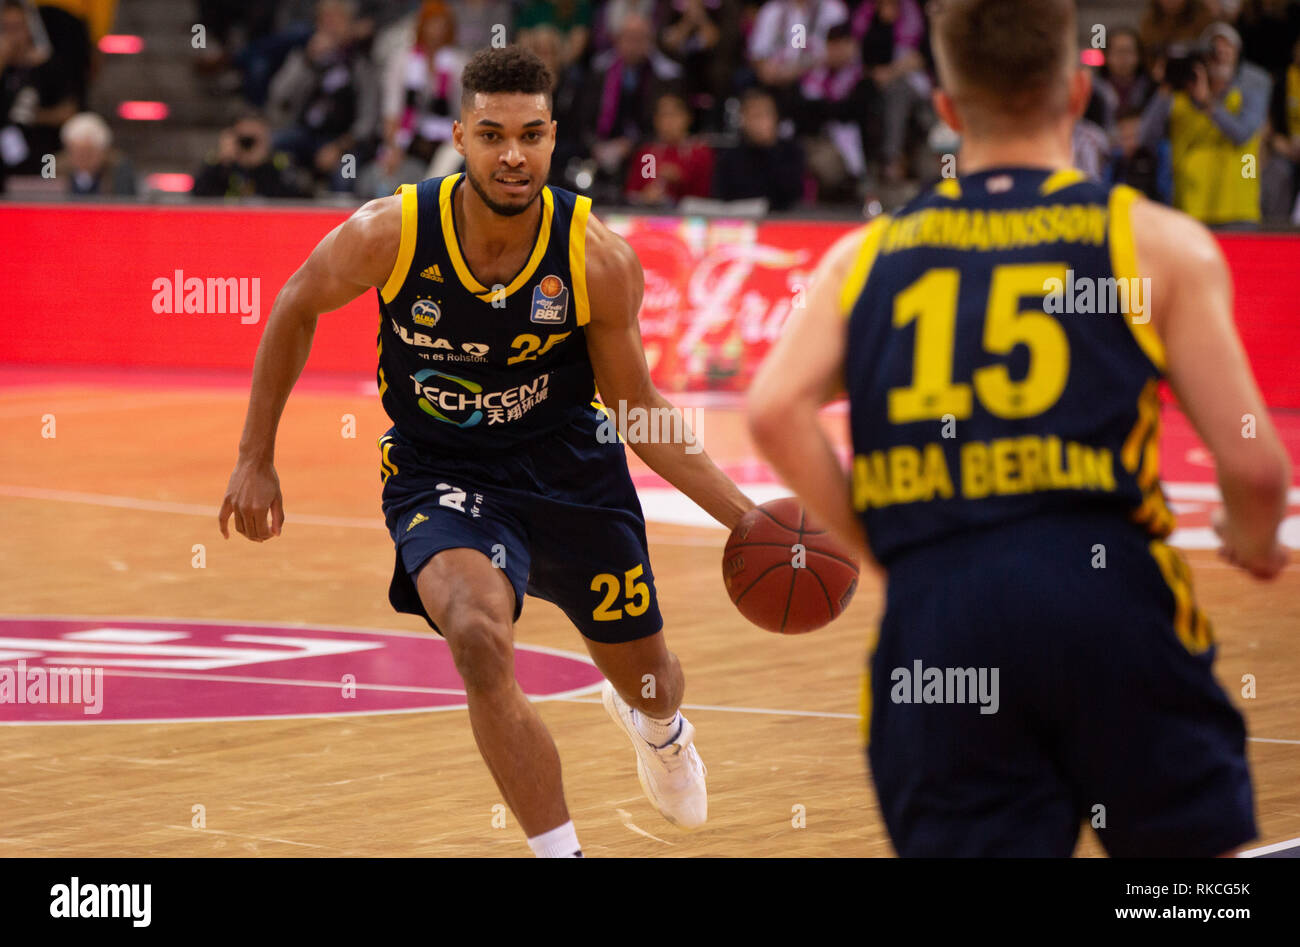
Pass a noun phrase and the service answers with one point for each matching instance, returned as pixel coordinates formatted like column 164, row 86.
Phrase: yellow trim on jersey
column 864, row 689
column 1124, row 261
column 458, row 261
column 604, row 409
column 405, row 249
column 950, row 188
column 578, row 259
column 386, row 466
column 866, row 258
column 1140, row 456
column 864, row 706
column 379, row 351
column 1060, row 180
column 1190, row 623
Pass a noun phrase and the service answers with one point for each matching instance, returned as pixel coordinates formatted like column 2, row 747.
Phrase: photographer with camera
column 1212, row 107
column 244, row 165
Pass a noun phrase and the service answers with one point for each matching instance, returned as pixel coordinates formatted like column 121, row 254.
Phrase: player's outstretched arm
column 1192, row 312
column 623, row 378
column 804, row 371
column 356, row 255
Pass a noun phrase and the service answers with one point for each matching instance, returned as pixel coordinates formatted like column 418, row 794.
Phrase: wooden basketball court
column 102, row 519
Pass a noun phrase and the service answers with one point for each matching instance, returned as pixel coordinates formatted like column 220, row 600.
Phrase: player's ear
column 458, row 135
column 947, row 110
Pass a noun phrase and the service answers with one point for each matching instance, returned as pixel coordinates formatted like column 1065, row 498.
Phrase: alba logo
column 425, row 312
column 552, row 286
column 477, row 349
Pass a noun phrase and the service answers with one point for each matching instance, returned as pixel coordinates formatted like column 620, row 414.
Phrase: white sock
column 657, row 732
column 560, row 842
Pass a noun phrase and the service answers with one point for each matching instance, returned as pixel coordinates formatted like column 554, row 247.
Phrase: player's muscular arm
column 358, row 254
column 618, row 360
column 1192, row 311
column 804, row 371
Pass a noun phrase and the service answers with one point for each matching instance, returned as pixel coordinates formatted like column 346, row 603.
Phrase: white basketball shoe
column 672, row 776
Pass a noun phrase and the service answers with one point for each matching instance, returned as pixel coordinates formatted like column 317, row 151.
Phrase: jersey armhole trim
column 578, row 259
column 405, row 249
column 862, row 264
column 1124, row 261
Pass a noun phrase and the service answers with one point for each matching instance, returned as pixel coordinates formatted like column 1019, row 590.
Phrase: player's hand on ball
column 253, row 491
column 1265, row 566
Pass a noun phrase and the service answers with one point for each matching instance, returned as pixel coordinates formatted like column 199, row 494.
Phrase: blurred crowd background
column 769, row 106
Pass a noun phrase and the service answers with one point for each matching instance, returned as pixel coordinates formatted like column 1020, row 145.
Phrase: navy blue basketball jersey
column 472, row 369
column 1001, row 363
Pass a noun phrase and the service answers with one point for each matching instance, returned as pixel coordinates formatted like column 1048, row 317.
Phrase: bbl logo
column 425, row 312
column 550, row 301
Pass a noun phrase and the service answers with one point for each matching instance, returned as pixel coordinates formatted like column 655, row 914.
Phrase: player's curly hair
column 507, row 69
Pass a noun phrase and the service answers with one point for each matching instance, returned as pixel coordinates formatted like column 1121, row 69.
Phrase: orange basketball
column 784, row 572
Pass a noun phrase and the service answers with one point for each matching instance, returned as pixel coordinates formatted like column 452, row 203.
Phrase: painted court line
column 238, row 679
column 193, row 509
column 185, row 509
column 737, row 710
column 1269, row 849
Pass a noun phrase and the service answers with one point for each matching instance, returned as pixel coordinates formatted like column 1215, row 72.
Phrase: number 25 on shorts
column 637, row 594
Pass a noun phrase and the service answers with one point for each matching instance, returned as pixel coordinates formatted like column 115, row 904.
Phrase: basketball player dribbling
column 1006, row 475
column 503, row 305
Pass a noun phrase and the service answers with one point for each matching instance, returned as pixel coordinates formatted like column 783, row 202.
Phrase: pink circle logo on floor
column 111, row 670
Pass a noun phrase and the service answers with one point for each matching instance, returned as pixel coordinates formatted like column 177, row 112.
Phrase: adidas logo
column 433, row 273
column 419, row 518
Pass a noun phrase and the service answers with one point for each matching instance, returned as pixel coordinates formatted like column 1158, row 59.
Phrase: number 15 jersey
column 1001, row 362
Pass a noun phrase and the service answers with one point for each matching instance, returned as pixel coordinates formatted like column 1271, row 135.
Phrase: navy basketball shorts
column 559, row 515
column 1023, row 685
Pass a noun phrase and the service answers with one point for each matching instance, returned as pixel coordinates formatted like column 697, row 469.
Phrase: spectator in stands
column 225, row 24
column 324, row 99
column 95, row 15
column 35, row 99
column 1123, row 83
column 672, row 165
column 1213, row 113
column 476, row 19
column 1269, row 29
column 763, row 164
column 566, row 103
column 1170, row 22
column 701, row 36
column 262, row 56
column 891, row 33
column 1137, row 164
column 1281, row 178
column 245, row 165
column 608, row 20
column 788, row 42
column 68, row 27
column 1091, row 145
column 836, row 101
column 421, row 101
column 89, row 163
column 573, row 18
column 619, row 105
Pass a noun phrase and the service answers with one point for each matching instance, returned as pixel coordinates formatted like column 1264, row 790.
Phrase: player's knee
column 482, row 647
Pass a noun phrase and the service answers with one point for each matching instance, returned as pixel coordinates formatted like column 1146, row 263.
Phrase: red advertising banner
column 190, row 288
